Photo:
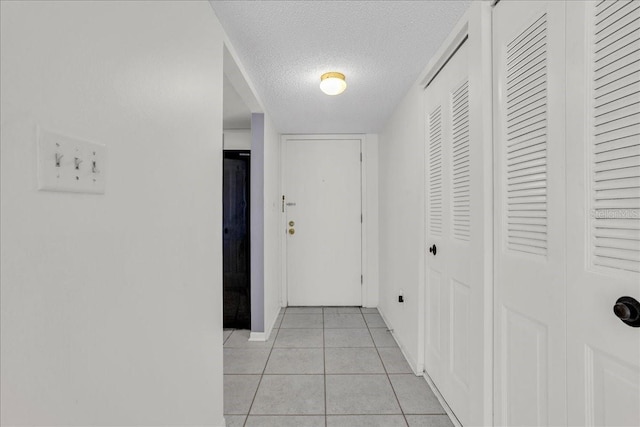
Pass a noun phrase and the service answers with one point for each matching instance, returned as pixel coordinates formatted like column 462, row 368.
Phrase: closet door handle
column 627, row 309
column 433, row 250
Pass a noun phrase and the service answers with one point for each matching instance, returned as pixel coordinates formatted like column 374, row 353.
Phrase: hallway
column 472, row 179
column 333, row 366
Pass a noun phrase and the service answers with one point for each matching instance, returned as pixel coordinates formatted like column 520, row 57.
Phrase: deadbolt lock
column 291, row 223
column 292, row 231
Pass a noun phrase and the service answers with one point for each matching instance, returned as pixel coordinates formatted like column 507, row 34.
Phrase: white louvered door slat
column 526, row 130
column 435, row 171
column 461, row 175
column 616, row 135
column 528, row 49
column 603, row 222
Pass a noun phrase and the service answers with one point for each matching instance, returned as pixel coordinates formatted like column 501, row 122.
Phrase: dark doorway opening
column 236, row 240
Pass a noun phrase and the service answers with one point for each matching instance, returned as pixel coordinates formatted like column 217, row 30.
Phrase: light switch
column 69, row 164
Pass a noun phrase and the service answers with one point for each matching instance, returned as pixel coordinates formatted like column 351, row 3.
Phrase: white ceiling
column 381, row 47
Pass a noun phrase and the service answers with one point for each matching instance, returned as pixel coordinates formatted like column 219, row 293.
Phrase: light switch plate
column 70, row 164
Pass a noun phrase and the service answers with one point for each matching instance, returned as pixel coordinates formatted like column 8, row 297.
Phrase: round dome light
column 332, row 83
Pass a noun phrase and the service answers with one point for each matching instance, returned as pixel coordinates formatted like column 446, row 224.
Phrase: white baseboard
column 443, row 402
column 257, row 336
column 417, row 368
column 264, row 336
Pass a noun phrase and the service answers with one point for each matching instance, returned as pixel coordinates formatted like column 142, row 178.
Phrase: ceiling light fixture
column 332, row 83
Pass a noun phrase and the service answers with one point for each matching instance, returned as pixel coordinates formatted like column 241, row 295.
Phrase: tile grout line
column 264, row 369
column 385, row 369
column 318, row 375
column 227, row 338
column 324, row 364
column 355, row 414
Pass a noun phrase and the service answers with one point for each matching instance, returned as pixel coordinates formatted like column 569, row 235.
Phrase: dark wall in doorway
column 236, row 239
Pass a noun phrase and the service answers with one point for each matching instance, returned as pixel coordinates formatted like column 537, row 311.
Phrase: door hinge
column 361, row 219
column 361, row 156
column 283, row 203
column 361, row 279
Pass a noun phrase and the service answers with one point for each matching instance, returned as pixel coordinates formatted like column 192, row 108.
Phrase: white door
column 322, row 188
column 529, row 194
column 453, row 257
column 603, row 211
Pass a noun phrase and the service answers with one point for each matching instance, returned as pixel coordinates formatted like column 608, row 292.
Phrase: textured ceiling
column 381, row 47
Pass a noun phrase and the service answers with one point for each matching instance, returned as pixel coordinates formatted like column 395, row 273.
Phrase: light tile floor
column 325, row 367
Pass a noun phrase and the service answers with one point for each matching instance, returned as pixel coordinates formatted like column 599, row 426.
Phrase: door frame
column 367, row 282
column 475, row 29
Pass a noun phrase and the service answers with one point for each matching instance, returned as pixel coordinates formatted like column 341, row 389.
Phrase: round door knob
column 433, row 250
column 627, row 309
column 291, row 223
column 622, row 311
column 292, row 231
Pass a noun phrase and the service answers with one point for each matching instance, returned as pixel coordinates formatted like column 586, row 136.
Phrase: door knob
column 291, row 223
column 433, row 249
column 292, row 231
column 627, row 309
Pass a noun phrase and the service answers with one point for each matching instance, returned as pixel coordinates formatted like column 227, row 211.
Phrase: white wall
column 266, row 270
column 401, row 154
column 237, row 139
column 111, row 304
column 256, row 192
column 272, row 228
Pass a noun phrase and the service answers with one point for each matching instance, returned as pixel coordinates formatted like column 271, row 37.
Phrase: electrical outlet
column 69, row 164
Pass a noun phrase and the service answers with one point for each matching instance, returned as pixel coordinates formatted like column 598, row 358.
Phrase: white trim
column 258, row 336
column 459, row 33
column 422, row 238
column 284, row 298
column 481, row 24
column 417, row 367
column 443, row 402
column 418, row 370
column 365, row 289
column 370, row 153
column 264, row 336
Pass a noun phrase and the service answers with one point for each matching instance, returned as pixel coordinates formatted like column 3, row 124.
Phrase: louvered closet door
column 603, row 222
column 529, row 125
column 451, row 197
